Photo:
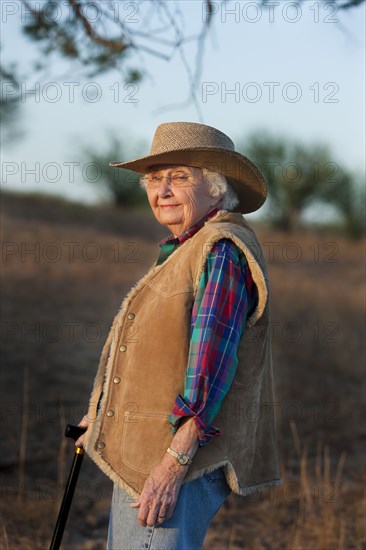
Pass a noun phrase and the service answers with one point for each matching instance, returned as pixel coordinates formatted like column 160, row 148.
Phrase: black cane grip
column 74, row 431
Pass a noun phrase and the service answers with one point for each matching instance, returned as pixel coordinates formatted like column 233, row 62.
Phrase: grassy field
column 65, row 270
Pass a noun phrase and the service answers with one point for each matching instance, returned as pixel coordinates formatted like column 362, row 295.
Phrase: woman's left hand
column 160, row 493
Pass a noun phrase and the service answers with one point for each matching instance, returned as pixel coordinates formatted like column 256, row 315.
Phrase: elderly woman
column 182, row 410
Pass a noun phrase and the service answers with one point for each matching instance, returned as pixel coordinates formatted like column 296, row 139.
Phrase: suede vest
column 142, row 370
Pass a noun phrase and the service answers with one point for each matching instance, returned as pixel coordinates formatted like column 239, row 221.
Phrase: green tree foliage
column 299, row 176
column 350, row 201
column 9, row 104
column 122, row 186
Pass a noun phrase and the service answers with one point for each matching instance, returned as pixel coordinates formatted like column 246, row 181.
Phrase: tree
column 123, row 186
column 299, row 176
column 97, row 36
column 103, row 35
column 350, row 201
column 9, row 105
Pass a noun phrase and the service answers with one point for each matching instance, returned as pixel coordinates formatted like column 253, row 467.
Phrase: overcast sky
column 297, row 70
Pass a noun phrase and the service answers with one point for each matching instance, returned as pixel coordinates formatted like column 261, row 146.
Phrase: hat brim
column 241, row 173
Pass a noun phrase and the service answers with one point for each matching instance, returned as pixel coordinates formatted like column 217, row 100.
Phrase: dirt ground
column 65, row 270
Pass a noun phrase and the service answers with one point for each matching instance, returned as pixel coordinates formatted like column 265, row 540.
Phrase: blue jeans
column 198, row 502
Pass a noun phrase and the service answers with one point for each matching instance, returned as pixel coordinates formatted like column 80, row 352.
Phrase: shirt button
column 101, row 445
column 110, row 413
column 123, row 348
column 131, row 316
column 116, row 380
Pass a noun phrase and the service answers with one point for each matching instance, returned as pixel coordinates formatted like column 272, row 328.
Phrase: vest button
column 110, row 413
column 131, row 316
column 116, row 380
column 123, row 348
column 101, row 445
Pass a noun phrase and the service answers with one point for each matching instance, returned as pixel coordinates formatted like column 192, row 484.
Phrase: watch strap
column 182, row 459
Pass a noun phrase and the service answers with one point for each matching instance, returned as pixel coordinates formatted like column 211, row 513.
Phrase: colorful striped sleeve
column 225, row 296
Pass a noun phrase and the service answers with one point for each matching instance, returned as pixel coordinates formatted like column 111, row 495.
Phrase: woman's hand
column 84, row 424
column 160, row 493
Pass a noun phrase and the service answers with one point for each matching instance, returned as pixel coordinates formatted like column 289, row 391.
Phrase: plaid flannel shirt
column 225, row 297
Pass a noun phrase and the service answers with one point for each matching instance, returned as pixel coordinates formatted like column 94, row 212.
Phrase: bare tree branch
column 350, row 4
column 114, row 44
column 105, row 43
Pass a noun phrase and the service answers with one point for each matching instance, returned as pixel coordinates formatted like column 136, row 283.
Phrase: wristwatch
column 182, row 459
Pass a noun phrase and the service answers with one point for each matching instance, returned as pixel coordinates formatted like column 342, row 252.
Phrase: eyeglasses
column 178, row 180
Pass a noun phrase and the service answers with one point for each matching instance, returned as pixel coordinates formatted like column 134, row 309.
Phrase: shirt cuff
column 182, row 409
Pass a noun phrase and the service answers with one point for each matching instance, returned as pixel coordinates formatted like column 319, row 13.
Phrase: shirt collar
column 191, row 231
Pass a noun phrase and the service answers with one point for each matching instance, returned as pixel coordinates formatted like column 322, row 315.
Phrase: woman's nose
column 165, row 189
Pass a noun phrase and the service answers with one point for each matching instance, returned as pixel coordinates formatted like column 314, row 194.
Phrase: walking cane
column 74, row 432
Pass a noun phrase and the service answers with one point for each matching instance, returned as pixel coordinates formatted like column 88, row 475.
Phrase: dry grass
column 55, row 316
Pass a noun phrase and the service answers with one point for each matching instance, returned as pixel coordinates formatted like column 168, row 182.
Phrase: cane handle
column 74, row 432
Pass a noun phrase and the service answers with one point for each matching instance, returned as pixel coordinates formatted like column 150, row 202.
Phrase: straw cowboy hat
column 201, row 146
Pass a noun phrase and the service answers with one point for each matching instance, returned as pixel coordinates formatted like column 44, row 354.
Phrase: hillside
column 65, row 270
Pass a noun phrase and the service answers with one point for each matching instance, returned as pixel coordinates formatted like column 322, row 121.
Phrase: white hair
column 218, row 187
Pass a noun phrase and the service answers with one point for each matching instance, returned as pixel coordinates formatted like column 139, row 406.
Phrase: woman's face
column 178, row 196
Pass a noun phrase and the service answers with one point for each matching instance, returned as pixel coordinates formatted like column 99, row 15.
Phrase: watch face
column 183, row 460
